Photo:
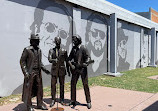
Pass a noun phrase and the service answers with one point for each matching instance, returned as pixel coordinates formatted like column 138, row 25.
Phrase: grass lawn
column 132, row 80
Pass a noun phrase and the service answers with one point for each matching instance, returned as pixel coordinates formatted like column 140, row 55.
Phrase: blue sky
column 136, row 5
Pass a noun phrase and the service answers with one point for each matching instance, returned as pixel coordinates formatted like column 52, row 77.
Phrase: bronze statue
column 58, row 57
column 31, row 66
column 78, row 60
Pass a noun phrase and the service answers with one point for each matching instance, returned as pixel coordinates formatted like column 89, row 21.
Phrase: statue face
column 57, row 41
column 34, row 42
column 122, row 49
column 97, row 36
column 75, row 41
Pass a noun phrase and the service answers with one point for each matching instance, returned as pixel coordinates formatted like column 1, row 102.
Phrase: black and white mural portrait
column 48, row 18
column 96, row 42
column 52, row 19
column 132, row 46
column 144, row 60
column 122, row 63
column 126, row 37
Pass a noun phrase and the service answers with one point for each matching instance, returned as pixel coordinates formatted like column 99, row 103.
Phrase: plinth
column 57, row 109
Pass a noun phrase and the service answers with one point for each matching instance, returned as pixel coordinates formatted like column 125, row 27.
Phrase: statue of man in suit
column 31, row 65
column 58, row 57
column 78, row 61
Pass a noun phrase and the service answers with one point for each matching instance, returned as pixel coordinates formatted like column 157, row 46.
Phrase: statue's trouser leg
column 74, row 80
column 31, row 79
column 53, row 87
column 39, row 93
column 84, row 78
column 61, row 81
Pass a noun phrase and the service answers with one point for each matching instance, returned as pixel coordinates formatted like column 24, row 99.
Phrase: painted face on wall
column 97, row 36
column 52, row 19
column 122, row 44
column 53, row 25
column 122, row 49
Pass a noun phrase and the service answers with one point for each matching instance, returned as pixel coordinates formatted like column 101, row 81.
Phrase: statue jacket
column 78, row 56
column 26, row 62
column 59, row 67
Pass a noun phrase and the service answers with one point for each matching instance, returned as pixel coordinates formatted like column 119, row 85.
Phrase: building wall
column 47, row 18
column 95, row 29
column 132, row 47
column 156, row 48
column 51, row 18
column 144, row 14
column 125, row 43
column 154, row 15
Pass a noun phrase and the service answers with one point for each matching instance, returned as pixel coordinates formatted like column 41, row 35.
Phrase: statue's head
column 34, row 40
column 76, row 39
column 57, row 41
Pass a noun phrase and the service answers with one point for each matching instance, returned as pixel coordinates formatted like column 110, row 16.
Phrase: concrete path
column 103, row 99
column 153, row 77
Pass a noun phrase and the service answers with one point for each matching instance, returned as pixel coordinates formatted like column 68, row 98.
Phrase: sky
column 136, row 5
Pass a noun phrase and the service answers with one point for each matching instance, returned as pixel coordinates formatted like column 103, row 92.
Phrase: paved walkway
column 103, row 99
column 153, row 77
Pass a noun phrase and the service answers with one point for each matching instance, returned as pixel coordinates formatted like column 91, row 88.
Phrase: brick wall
column 154, row 15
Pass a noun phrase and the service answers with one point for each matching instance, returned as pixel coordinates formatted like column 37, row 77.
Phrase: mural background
column 133, row 47
column 51, row 18
column 44, row 17
column 95, row 36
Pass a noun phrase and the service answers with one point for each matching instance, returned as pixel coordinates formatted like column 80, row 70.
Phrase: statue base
column 57, row 109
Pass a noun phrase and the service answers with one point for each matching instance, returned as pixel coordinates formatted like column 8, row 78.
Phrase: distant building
column 151, row 15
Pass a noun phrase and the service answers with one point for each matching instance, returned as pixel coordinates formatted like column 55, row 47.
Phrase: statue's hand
column 85, row 65
column 56, row 60
column 27, row 76
column 72, row 67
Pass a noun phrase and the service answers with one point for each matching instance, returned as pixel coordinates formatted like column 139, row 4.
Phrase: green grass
column 131, row 80
column 10, row 99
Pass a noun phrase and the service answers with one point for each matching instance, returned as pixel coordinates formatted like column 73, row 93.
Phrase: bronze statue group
column 31, row 65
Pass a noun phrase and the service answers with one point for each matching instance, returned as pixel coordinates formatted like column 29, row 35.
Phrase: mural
column 96, row 42
column 132, row 47
column 52, row 19
column 143, row 62
column 123, row 64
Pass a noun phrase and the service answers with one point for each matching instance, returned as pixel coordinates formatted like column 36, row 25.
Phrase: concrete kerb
column 117, row 74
